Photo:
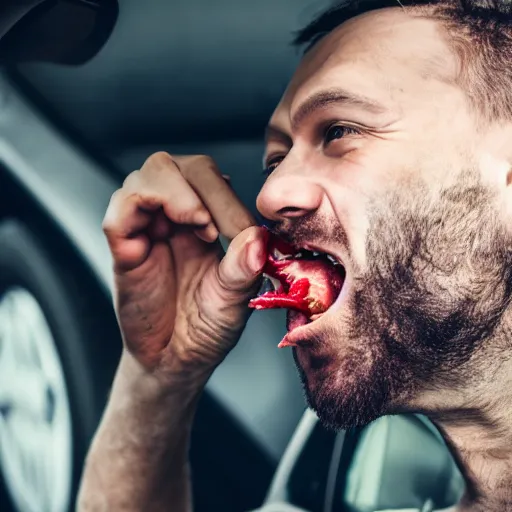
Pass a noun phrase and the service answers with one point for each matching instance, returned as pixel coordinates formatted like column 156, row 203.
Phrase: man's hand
column 181, row 306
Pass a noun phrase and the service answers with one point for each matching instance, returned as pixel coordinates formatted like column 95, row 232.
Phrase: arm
column 181, row 306
column 139, row 457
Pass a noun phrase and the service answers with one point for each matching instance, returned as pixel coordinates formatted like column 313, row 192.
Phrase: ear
column 496, row 166
column 504, row 153
column 495, row 156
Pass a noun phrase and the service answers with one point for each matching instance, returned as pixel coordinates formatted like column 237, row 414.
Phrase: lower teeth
column 267, row 286
column 270, row 284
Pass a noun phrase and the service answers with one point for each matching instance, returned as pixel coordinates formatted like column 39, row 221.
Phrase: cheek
column 352, row 213
column 350, row 188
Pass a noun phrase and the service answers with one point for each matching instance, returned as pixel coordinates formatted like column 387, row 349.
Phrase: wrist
column 154, row 413
column 160, row 383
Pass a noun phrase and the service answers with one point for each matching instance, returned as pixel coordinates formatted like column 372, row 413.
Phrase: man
column 390, row 151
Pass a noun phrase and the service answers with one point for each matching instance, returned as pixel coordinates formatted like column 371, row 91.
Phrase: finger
column 229, row 214
column 244, row 260
column 123, row 217
column 161, row 180
column 208, row 234
column 123, row 224
column 160, row 228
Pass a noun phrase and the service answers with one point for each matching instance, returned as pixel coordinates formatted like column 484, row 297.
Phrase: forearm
column 139, row 458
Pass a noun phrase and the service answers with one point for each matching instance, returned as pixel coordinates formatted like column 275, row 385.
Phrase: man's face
column 377, row 159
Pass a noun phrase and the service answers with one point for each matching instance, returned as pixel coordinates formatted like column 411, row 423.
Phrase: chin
column 349, row 388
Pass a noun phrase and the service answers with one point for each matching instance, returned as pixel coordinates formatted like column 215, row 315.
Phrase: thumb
column 243, row 263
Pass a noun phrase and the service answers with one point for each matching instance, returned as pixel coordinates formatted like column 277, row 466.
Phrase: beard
column 437, row 283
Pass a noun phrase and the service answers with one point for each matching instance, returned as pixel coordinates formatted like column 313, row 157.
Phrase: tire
column 58, row 352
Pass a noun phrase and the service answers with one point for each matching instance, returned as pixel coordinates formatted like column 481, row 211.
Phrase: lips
column 305, row 282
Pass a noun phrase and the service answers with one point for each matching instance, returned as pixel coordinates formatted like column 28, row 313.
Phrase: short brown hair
column 480, row 32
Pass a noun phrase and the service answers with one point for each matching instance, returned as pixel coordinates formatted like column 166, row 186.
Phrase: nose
column 287, row 195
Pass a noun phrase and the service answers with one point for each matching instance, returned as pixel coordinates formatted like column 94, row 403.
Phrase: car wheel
column 50, row 402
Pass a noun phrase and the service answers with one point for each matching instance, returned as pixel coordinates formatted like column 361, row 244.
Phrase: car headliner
column 181, row 71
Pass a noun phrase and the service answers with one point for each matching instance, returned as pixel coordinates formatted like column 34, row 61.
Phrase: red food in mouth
column 309, row 282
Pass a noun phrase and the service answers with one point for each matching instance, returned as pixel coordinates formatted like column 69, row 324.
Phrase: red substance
column 307, row 286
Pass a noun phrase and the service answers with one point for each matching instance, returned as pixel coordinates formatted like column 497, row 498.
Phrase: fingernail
column 256, row 256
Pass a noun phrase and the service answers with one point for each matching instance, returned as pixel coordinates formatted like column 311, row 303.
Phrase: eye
column 338, row 131
column 272, row 164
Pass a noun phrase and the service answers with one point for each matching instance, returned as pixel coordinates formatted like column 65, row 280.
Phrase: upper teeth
column 278, row 255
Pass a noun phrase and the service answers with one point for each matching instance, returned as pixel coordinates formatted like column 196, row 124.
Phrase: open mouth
column 304, row 281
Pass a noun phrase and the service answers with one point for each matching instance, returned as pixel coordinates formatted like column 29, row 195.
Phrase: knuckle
column 108, row 225
column 115, row 198
column 184, row 215
column 109, row 222
column 132, row 179
column 108, row 228
column 206, row 160
column 197, row 164
column 159, row 160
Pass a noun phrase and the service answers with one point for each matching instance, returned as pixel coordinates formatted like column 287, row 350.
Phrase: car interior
column 187, row 77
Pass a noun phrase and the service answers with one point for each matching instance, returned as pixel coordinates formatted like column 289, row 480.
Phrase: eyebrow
column 321, row 100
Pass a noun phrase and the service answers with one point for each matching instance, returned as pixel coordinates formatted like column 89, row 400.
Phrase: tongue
column 307, row 286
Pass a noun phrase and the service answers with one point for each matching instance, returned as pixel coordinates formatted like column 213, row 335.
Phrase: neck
column 476, row 424
column 483, row 451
